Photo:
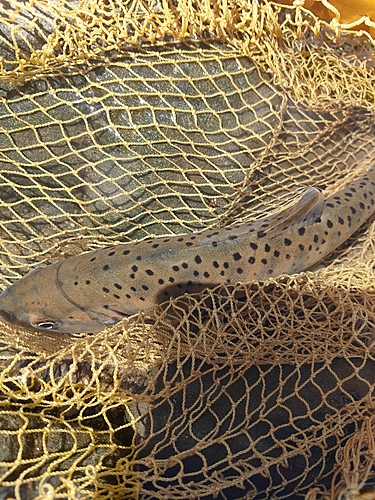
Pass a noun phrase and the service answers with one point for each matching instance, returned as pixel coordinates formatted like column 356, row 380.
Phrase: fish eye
column 46, row 324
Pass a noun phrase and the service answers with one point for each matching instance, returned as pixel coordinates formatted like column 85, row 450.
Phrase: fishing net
column 125, row 120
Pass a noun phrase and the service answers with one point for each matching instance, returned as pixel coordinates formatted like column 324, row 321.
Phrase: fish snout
column 8, row 309
column 9, row 317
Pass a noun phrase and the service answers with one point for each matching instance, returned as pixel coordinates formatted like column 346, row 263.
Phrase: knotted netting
column 125, row 120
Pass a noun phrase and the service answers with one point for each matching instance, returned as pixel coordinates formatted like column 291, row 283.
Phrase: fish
column 89, row 292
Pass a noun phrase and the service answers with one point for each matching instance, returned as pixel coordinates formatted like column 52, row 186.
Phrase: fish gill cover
column 125, row 120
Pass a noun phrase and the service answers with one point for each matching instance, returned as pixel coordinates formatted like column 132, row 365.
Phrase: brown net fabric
column 121, row 121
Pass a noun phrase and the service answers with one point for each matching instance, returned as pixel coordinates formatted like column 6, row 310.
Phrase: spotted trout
column 88, row 292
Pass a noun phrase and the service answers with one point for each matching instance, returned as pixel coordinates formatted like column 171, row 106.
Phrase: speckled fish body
column 98, row 289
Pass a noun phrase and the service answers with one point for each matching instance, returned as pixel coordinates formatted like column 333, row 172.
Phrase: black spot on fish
column 166, row 293
column 361, row 206
column 171, row 280
column 340, row 220
column 189, row 244
column 175, row 268
column 329, row 223
column 301, row 247
column 261, row 234
column 287, row 242
column 145, row 287
column 189, row 283
column 184, row 265
column 166, row 240
column 111, row 253
column 331, row 205
column 142, row 299
column 132, row 276
column 197, row 259
column 75, row 283
column 180, row 239
column 316, row 238
column 119, row 287
column 353, row 210
column 239, row 270
column 139, row 257
column 251, row 260
column 116, row 296
column 301, row 231
column 128, row 296
column 196, row 273
column 226, row 265
column 126, row 252
column 267, row 248
column 276, row 253
column 161, row 281
column 254, row 246
column 232, row 237
column 134, row 269
column 155, row 245
column 93, row 258
column 237, row 256
column 206, row 274
column 149, row 272
column 106, row 267
column 215, row 264
column 264, row 261
column 214, row 244
column 105, row 290
column 88, row 282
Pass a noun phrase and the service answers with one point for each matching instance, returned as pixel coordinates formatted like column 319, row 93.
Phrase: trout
column 97, row 289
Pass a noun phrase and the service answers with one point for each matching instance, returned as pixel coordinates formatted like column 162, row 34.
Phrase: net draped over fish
column 121, row 121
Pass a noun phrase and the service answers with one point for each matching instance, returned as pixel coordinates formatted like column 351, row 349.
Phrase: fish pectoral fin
column 306, row 211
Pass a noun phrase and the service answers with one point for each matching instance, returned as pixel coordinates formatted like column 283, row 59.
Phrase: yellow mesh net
column 125, row 120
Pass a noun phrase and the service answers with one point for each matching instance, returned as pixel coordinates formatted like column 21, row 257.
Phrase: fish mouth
column 12, row 319
column 8, row 316
column 121, row 314
column 107, row 319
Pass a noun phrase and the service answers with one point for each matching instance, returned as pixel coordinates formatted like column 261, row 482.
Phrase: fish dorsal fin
column 306, row 211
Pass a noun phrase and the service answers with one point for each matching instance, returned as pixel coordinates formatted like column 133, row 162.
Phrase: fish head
column 36, row 300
